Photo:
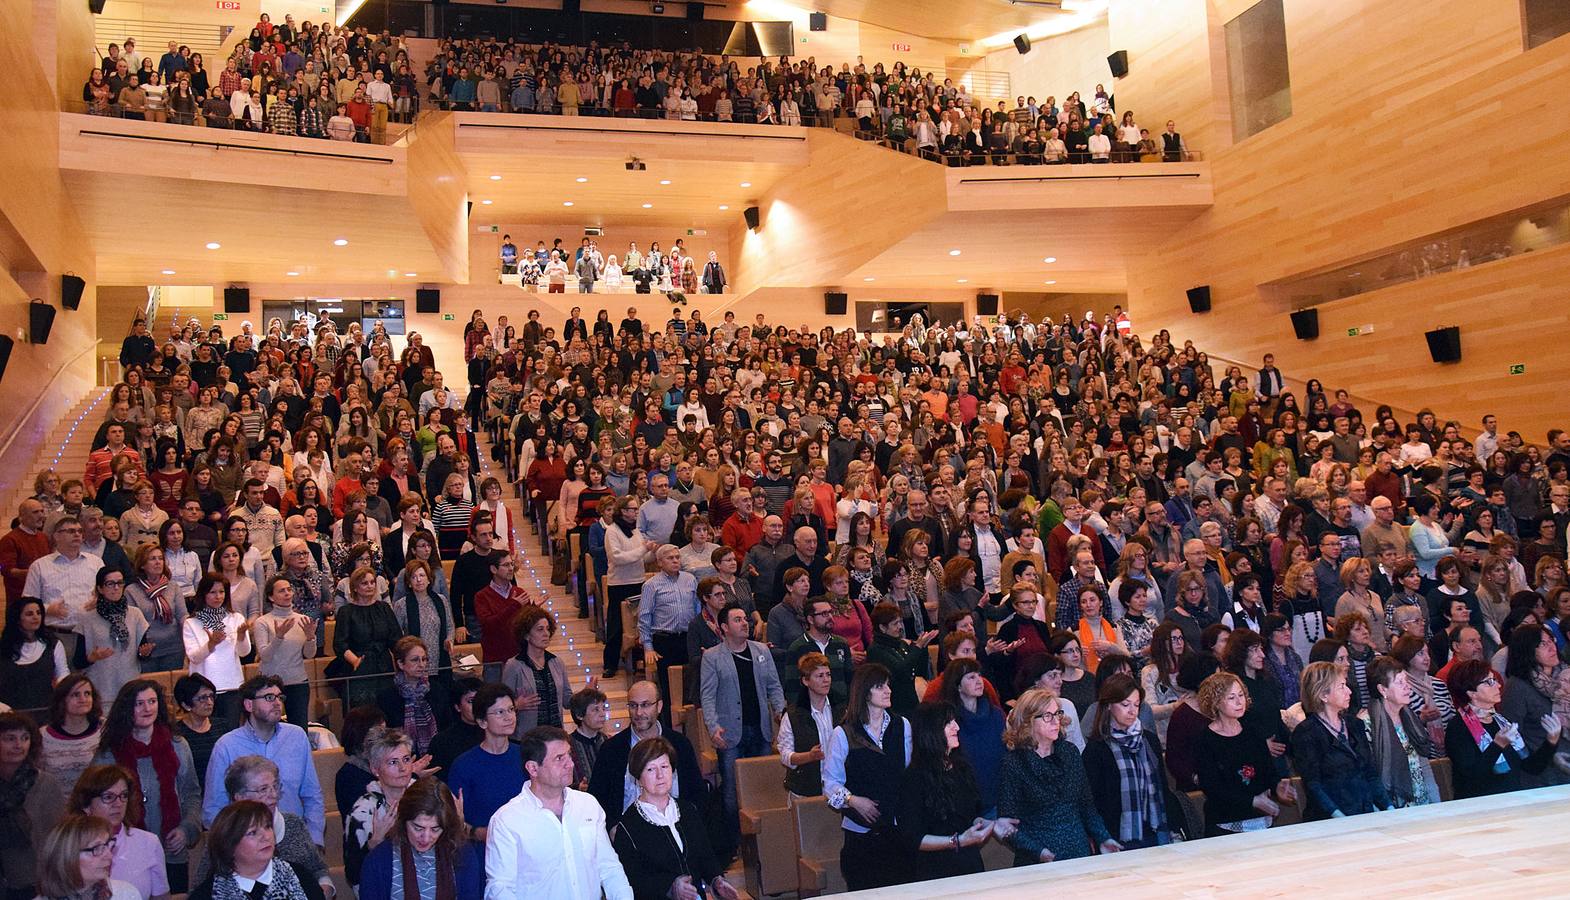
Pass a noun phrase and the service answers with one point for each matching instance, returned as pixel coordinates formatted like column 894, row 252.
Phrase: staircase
column 64, row 450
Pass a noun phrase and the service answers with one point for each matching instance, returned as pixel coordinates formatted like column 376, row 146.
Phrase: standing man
column 741, row 700
column 264, row 733
column 21, row 546
column 668, row 604
column 550, row 842
column 610, row 782
column 741, row 529
column 657, row 515
column 762, row 563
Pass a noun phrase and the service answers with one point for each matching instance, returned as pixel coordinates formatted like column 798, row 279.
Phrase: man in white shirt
column 1269, row 505
column 1488, row 441
column 549, row 842
column 64, row 579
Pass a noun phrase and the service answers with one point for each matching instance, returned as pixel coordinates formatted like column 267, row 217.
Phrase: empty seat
column 818, row 842
column 767, row 840
column 328, row 762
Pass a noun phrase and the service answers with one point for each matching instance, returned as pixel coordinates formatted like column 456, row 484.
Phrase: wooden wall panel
column 436, row 191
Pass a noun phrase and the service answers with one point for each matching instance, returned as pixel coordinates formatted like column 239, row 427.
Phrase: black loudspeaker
column 42, row 317
column 1118, row 63
column 71, row 288
column 818, row 21
column 835, row 303
column 751, row 215
column 237, row 300
column 695, row 12
column 5, row 352
column 1305, row 324
column 986, row 304
column 1022, row 43
column 570, row 7
column 96, row 7
column 1199, row 298
column 428, row 300
column 1444, row 344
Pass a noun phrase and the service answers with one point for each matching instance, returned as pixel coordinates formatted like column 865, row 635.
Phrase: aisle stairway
column 64, row 450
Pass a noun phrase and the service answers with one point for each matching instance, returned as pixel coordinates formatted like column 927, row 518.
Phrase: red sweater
column 740, row 534
column 496, row 613
column 18, row 550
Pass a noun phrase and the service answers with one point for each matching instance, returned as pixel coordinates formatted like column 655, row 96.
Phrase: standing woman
column 196, row 698
column 71, row 738
column 413, row 702
column 428, row 848
column 362, row 639
column 184, row 566
column 662, row 841
column 537, row 677
column 862, row 772
column 1123, row 763
column 216, row 637
column 240, row 849
column 74, row 860
column 940, row 807
column 32, row 659
column 138, row 738
column 244, row 596
column 163, row 608
column 31, row 800
column 981, row 725
column 1168, row 647
column 109, row 792
column 1331, row 751
column 1532, row 670
column 1045, row 806
column 285, row 638
column 625, row 550
column 424, row 612
column 1301, row 607
column 1400, row 740
column 1243, row 790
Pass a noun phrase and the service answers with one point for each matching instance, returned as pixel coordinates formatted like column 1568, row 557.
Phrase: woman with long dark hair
column 32, row 659
column 31, row 800
column 71, row 738
column 427, row 849
column 940, row 807
column 1400, row 740
column 137, row 737
column 216, row 638
column 862, row 772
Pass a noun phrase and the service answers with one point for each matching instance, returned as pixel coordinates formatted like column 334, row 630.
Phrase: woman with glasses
column 1486, row 750
column 196, row 697
column 113, row 635
column 138, row 738
column 1045, row 807
column 109, row 792
column 75, row 860
column 255, row 779
column 30, row 803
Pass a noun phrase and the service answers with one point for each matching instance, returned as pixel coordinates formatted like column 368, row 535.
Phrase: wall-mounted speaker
column 1305, row 324
column 1022, row 43
column 570, row 7
column 96, row 7
column 41, row 316
column 818, row 21
column 5, row 352
column 71, row 288
column 237, row 300
column 1118, row 63
column 428, row 300
column 695, row 12
column 1199, row 298
column 751, row 215
column 835, row 303
column 1444, row 344
column 986, row 304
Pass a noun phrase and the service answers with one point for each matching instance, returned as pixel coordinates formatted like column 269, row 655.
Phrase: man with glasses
column 64, row 579
column 820, row 638
column 487, row 776
column 264, row 733
column 613, row 786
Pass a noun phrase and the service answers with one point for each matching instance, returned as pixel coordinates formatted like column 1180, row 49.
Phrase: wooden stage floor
column 1518, row 843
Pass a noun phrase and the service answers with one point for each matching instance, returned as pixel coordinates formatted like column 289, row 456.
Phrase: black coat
column 607, row 783
column 1106, row 785
column 651, row 858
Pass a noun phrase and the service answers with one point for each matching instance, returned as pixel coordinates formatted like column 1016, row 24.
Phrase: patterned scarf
column 212, row 617
column 1474, row 727
column 1142, row 806
column 166, row 765
column 114, row 614
column 284, row 885
column 158, row 593
column 419, row 723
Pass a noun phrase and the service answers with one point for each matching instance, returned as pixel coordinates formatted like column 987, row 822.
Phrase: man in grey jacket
column 742, row 699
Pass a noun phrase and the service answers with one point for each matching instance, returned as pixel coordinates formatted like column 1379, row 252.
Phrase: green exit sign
column 1352, row 332
column 448, row 317
column 220, row 317
column 1518, row 369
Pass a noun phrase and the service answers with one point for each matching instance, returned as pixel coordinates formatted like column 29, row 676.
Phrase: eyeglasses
column 1489, row 680
column 268, row 790
column 101, row 849
column 642, row 704
column 113, row 584
column 269, row 697
column 115, row 797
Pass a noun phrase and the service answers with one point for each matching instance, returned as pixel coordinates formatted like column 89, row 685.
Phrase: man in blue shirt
column 657, row 515
column 487, row 776
column 668, row 605
column 264, row 733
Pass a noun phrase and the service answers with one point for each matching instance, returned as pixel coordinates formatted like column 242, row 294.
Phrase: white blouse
column 221, row 664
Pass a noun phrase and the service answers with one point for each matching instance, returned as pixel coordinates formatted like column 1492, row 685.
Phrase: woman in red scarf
column 137, row 736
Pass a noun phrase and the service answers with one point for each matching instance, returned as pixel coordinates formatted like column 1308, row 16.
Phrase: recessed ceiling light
column 168, row 271
column 1052, row 282
column 410, row 274
column 648, row 206
column 963, row 280
column 213, row 245
column 723, row 206
column 566, row 203
column 341, row 242
column 291, row 274
column 486, row 202
column 1050, row 259
column 581, row 179
column 496, row 178
column 665, row 181
column 953, row 253
column 868, row 278
column 746, row 184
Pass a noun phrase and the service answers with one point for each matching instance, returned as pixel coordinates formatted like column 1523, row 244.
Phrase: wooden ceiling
column 960, row 20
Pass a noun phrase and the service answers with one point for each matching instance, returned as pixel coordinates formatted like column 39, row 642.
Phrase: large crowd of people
column 1141, row 585
column 344, row 83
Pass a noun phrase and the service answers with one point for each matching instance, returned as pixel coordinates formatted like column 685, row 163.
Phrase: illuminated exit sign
column 227, row 5
column 900, row 47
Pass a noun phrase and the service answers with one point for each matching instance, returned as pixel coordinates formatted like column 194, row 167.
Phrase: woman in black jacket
column 659, row 866
column 1331, row 750
column 939, row 813
column 1127, row 771
column 1486, row 750
column 1243, row 788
